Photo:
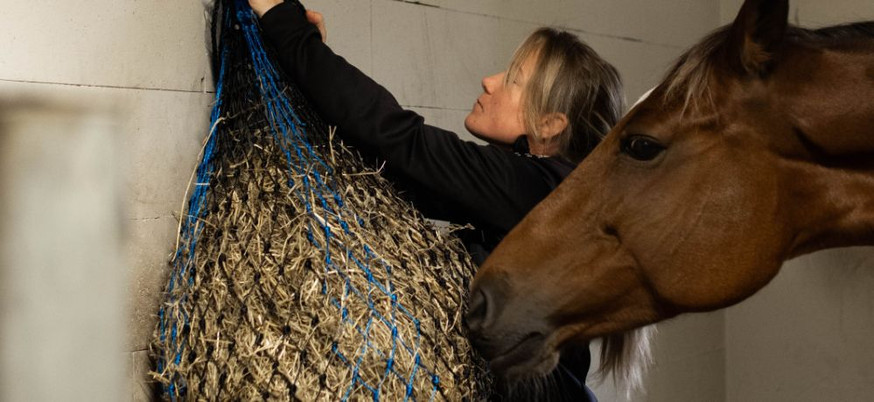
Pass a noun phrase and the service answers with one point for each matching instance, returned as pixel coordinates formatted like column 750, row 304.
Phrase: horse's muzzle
column 501, row 334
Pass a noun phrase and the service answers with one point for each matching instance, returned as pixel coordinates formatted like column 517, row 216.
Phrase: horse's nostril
column 477, row 311
column 488, row 302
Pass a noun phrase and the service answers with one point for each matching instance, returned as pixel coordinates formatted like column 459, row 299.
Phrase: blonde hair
column 569, row 78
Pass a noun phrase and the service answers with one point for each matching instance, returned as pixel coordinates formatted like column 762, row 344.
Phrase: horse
column 758, row 146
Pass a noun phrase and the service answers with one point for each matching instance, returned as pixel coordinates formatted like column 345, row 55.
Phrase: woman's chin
column 468, row 124
column 491, row 140
column 471, row 128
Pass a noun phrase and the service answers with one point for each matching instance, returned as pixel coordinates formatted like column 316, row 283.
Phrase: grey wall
column 808, row 335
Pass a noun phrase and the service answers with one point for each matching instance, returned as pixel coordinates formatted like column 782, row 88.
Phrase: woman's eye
column 641, row 147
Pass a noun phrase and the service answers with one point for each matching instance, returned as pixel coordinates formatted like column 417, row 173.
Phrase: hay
column 300, row 273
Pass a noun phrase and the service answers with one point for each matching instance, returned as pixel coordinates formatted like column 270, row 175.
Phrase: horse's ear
column 755, row 34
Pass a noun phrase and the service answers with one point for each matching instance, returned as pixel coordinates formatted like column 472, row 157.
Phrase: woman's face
column 497, row 114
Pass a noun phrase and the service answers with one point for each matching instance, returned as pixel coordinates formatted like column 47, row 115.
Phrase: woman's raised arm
column 481, row 183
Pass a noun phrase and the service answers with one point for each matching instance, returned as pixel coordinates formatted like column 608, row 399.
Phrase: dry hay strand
column 301, row 273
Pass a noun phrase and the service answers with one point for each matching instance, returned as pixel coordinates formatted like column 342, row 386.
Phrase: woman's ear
column 551, row 125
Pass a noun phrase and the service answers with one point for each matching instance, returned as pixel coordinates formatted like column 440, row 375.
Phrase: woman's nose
column 491, row 82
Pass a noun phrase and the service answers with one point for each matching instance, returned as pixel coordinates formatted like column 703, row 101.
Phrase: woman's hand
column 260, row 7
column 319, row 21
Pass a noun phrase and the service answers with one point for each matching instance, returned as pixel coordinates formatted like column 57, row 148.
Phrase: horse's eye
column 641, row 147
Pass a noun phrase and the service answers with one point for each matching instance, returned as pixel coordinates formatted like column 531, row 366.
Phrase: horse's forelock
column 688, row 81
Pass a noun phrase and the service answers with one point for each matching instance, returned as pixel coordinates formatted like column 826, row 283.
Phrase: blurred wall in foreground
column 62, row 281
column 149, row 60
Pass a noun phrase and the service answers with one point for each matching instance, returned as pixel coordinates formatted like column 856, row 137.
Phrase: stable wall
column 809, row 334
column 150, row 59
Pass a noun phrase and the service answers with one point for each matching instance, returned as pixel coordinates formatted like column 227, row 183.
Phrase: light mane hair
column 688, row 81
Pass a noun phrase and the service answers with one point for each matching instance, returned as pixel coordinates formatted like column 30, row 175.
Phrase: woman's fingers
column 260, row 7
column 318, row 20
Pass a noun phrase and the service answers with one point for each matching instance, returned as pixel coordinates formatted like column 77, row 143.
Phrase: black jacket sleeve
column 483, row 185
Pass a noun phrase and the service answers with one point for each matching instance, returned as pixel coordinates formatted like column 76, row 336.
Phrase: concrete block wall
column 150, row 59
column 807, row 336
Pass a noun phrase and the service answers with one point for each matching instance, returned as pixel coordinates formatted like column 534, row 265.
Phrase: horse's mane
column 688, row 80
column 838, row 32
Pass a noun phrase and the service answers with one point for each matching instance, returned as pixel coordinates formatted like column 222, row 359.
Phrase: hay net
column 300, row 275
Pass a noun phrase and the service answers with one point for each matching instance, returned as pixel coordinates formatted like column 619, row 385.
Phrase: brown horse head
column 757, row 147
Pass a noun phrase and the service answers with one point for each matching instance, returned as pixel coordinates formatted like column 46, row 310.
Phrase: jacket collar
column 521, row 145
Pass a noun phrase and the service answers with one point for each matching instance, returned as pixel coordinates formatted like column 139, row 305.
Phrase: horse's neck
column 833, row 191
column 828, row 207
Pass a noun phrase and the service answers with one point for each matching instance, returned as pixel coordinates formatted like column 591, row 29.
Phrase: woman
column 541, row 117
